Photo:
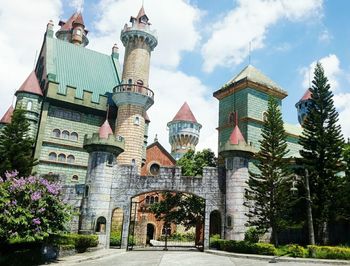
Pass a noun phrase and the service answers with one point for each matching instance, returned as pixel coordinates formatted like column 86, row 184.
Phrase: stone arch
column 215, row 223
column 117, row 218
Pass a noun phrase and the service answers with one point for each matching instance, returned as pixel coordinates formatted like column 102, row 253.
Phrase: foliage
column 252, row 235
column 179, row 208
column 79, row 242
column 192, row 163
column 16, row 147
column 268, row 187
column 296, row 251
column 214, row 241
column 186, row 237
column 321, row 154
column 31, row 208
column 327, row 252
column 116, row 238
column 245, row 247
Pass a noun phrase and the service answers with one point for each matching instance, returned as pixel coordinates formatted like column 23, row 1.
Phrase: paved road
column 183, row 258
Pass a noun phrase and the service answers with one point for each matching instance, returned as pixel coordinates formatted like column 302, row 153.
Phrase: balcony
column 133, row 94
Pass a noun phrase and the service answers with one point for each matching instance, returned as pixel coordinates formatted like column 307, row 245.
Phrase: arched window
column 65, row 134
column 147, row 199
column 151, row 200
column 101, row 225
column 231, row 118
column 52, row 156
column 156, row 199
column 110, row 160
column 75, row 178
column 29, row 105
column 61, row 157
column 229, row 221
column 74, row 136
column 70, row 158
column 130, row 81
column 56, row 133
column 264, row 116
column 137, row 120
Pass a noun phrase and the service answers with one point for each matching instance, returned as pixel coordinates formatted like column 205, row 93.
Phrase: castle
column 89, row 119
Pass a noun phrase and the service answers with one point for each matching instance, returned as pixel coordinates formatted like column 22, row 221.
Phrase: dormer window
column 144, row 20
column 78, row 32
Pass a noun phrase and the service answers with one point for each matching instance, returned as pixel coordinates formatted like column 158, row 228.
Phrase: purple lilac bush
column 30, row 208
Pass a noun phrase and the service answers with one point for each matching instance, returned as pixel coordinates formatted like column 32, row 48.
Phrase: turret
column 6, row 119
column 183, row 132
column 302, row 106
column 133, row 97
column 29, row 98
column 73, row 30
column 236, row 153
column 103, row 148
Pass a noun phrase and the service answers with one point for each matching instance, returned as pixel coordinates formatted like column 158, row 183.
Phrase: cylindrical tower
column 183, row 132
column 302, row 106
column 103, row 147
column 133, row 97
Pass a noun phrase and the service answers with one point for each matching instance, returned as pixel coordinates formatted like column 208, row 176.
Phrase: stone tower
column 29, row 98
column 183, row 132
column 302, row 106
column 103, row 147
column 236, row 153
column 132, row 96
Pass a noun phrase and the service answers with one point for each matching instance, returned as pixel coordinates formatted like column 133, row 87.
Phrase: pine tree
column 16, row 147
column 268, row 188
column 322, row 143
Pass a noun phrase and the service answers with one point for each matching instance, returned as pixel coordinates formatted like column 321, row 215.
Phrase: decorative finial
column 107, row 112
column 250, row 51
column 156, row 138
column 236, row 118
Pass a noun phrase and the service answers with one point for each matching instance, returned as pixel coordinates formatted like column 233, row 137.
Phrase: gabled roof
column 6, row 119
column 306, row 96
column 165, row 152
column 185, row 114
column 236, row 136
column 30, row 85
column 105, row 130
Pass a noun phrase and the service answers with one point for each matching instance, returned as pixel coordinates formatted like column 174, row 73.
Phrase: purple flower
column 41, row 210
column 36, row 196
column 14, row 202
column 12, row 174
column 36, row 221
column 31, row 179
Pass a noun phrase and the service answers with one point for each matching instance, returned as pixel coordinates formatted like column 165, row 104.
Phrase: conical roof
column 306, row 96
column 253, row 74
column 6, row 119
column 141, row 13
column 236, row 136
column 31, row 85
column 77, row 17
column 105, row 130
column 185, row 114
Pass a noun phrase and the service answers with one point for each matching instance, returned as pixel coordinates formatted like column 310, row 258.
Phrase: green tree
column 16, row 147
column 268, row 188
column 321, row 154
column 192, row 163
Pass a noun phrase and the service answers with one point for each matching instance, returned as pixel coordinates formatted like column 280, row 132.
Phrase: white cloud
column 325, row 36
column 177, row 33
column 331, row 65
column 341, row 101
column 228, row 44
column 77, row 4
column 23, row 24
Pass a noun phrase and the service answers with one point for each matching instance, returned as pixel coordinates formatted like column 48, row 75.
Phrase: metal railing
column 135, row 88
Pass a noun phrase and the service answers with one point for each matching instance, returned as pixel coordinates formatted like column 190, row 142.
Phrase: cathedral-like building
column 89, row 119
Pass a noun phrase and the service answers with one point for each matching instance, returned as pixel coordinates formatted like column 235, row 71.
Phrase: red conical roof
column 236, row 136
column 31, row 85
column 105, row 130
column 77, row 17
column 141, row 13
column 6, row 119
column 185, row 114
column 307, row 95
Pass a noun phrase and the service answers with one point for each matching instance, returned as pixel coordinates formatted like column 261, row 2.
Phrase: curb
column 72, row 260
column 273, row 259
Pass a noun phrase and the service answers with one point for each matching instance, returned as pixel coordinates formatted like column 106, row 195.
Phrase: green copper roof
column 252, row 74
column 81, row 68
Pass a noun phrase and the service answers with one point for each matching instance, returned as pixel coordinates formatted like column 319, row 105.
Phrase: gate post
column 206, row 225
column 126, row 224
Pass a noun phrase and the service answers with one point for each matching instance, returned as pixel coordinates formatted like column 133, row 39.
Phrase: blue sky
column 202, row 44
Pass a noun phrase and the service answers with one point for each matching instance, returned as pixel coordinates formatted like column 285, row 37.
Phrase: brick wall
column 155, row 155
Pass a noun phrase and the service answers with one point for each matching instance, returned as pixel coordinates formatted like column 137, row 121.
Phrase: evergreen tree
column 268, row 188
column 321, row 154
column 16, row 147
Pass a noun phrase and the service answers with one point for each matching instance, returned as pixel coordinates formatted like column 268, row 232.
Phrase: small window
column 61, row 157
column 29, row 105
column 154, row 169
column 52, row 156
column 75, row 178
column 56, row 133
column 133, row 162
column 264, row 116
column 156, row 199
column 130, row 81
column 101, row 225
column 110, row 160
column 231, row 118
column 147, row 199
column 74, row 136
column 65, row 134
column 86, row 193
column 78, row 32
column 137, row 120
column 151, row 200
column 71, row 159
column 229, row 221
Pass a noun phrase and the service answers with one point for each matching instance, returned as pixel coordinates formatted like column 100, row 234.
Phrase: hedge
column 79, row 242
column 327, row 252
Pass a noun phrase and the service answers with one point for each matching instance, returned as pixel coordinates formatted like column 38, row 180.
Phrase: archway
column 116, row 228
column 215, row 223
column 150, row 233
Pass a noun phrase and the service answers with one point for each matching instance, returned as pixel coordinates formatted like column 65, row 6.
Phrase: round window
column 154, row 169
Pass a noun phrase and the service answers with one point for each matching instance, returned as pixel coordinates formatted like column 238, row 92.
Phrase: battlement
column 242, row 148
column 70, row 97
column 113, row 144
column 145, row 33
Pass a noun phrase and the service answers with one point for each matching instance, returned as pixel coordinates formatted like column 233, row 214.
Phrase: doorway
column 150, row 233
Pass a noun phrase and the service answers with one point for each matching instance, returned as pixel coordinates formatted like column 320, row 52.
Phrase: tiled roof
column 185, row 114
column 252, row 74
column 105, row 130
column 306, row 96
column 81, row 68
column 76, row 17
column 31, row 85
column 6, row 119
column 236, row 136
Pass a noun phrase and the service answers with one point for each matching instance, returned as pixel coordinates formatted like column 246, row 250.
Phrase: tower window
column 229, row 221
column 56, row 133
column 75, row 178
column 137, row 121
column 78, row 32
column 52, row 156
column 101, row 225
column 110, row 160
column 61, row 157
column 29, row 105
column 71, row 159
column 264, row 116
column 130, row 81
column 147, row 199
column 65, row 134
column 74, row 136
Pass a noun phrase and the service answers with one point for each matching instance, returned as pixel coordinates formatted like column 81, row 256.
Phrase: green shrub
column 246, row 247
column 296, row 251
column 82, row 242
column 252, row 235
column 214, row 241
column 115, row 239
column 326, row 252
column 264, row 249
column 186, row 237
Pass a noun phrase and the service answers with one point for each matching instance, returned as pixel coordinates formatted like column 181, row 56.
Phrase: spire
column 306, row 96
column 185, row 114
column 236, row 135
column 105, row 130
column 77, row 18
column 141, row 13
column 6, row 119
column 31, row 85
